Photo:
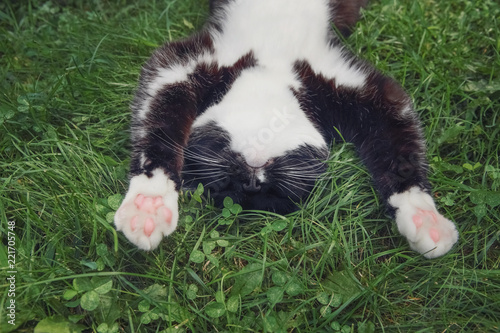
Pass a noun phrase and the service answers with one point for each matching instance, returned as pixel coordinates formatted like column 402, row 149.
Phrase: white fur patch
column 133, row 220
column 262, row 116
column 427, row 231
column 143, row 111
column 261, row 175
column 331, row 63
column 166, row 76
column 280, row 32
column 407, row 110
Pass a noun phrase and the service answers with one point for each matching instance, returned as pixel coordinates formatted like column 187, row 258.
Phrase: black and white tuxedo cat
column 249, row 106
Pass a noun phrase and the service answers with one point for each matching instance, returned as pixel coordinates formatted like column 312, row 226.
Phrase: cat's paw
column 149, row 211
column 145, row 221
column 427, row 231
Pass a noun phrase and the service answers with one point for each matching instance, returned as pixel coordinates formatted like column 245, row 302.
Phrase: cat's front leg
column 379, row 119
column 175, row 87
column 393, row 148
column 149, row 211
column 160, row 130
column 391, row 143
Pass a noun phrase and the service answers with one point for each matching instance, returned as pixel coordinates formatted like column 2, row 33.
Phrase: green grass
column 68, row 70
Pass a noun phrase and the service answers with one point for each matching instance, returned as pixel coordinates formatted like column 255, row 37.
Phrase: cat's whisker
column 297, row 185
column 206, row 152
column 209, row 175
column 305, row 170
column 189, row 154
column 304, row 178
column 287, row 189
column 207, row 160
column 293, row 181
column 186, row 152
column 299, row 175
column 298, row 167
column 206, row 172
column 214, row 181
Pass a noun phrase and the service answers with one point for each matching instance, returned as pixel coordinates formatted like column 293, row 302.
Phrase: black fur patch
column 345, row 14
column 389, row 141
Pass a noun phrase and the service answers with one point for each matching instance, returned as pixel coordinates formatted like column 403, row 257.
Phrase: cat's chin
column 260, row 202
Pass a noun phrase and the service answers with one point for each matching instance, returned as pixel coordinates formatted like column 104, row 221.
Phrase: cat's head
column 273, row 184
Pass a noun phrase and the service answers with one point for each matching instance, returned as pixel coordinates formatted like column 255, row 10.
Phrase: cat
column 250, row 106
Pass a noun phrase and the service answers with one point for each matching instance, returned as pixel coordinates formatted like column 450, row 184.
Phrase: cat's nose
column 252, row 185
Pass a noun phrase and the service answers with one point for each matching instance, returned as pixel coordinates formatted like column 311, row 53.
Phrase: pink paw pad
column 149, row 226
column 430, row 218
column 154, row 209
column 133, row 223
column 148, row 204
column 417, row 220
column 434, row 233
column 168, row 214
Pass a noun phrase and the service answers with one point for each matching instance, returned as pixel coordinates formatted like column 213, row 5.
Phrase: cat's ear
column 345, row 14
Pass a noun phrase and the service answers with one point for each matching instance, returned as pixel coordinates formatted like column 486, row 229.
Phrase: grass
column 68, row 69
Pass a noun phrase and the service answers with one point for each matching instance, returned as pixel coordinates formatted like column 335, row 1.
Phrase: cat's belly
column 263, row 117
column 281, row 32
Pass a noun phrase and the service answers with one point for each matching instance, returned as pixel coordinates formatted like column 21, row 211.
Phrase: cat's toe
column 427, row 231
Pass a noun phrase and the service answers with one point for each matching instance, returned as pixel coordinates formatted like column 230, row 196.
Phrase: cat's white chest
column 262, row 116
column 277, row 31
